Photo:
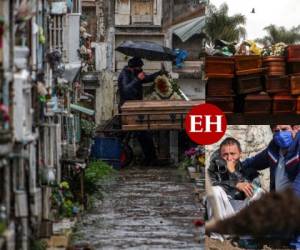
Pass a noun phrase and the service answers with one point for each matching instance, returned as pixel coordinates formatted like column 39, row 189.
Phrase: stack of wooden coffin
column 255, row 85
column 293, row 68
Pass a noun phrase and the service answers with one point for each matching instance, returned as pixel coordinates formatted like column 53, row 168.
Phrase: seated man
column 231, row 185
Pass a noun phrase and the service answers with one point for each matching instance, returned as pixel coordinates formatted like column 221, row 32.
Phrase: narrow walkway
column 145, row 209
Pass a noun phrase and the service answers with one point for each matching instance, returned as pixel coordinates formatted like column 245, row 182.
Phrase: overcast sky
column 282, row 13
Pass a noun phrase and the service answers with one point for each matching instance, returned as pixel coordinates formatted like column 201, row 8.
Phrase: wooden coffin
column 217, row 66
column 155, row 115
column 246, row 65
column 249, row 84
column 258, row 104
column 293, row 53
column 226, row 104
column 219, row 87
column 277, row 84
column 298, row 105
column 294, row 68
column 295, row 84
column 284, row 104
column 275, row 65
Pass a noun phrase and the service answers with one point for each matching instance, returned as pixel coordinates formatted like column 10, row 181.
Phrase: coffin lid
column 246, row 57
column 220, row 58
column 170, row 105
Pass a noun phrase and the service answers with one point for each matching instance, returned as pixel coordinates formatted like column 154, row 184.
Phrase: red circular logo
column 205, row 124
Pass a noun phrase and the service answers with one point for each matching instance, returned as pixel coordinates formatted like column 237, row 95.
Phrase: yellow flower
column 64, row 185
column 201, row 160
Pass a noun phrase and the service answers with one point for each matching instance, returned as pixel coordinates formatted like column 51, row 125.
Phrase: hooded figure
column 130, row 83
column 131, row 80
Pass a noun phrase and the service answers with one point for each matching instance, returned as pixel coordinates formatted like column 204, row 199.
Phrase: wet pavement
column 143, row 209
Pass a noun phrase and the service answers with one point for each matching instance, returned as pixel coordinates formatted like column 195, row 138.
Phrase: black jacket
column 130, row 87
column 220, row 176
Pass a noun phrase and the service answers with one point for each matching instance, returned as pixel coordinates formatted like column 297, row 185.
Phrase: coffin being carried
column 155, row 115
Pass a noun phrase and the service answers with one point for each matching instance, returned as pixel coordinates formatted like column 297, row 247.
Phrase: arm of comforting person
column 258, row 162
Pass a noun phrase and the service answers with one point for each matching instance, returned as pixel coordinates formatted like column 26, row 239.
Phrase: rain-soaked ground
column 144, row 209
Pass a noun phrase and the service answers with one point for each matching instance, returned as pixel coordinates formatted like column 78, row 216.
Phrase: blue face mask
column 283, row 139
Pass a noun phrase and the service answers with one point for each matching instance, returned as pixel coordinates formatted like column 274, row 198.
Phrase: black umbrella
column 147, row 50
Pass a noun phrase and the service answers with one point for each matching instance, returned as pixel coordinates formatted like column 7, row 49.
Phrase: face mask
column 283, row 139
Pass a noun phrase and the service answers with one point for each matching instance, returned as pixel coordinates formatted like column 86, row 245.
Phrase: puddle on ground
column 144, row 209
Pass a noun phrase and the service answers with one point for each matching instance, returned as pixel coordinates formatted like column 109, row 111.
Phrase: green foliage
column 91, row 199
column 63, row 201
column 62, row 89
column 186, row 162
column 219, row 25
column 96, row 173
column 2, row 228
column 277, row 34
column 38, row 245
column 88, row 127
column 67, row 208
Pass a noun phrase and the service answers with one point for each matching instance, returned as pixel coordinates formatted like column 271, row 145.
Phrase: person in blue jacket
column 282, row 156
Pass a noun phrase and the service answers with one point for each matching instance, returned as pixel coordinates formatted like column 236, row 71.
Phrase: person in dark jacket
column 225, row 170
column 131, row 80
column 130, row 84
column 282, row 156
column 232, row 188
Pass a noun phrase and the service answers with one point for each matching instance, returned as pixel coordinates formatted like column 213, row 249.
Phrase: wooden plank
column 173, row 105
column 155, row 113
column 166, row 126
column 135, row 119
column 59, row 241
column 250, row 71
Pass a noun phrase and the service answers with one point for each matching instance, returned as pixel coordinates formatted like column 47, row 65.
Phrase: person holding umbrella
column 132, row 78
column 130, row 84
